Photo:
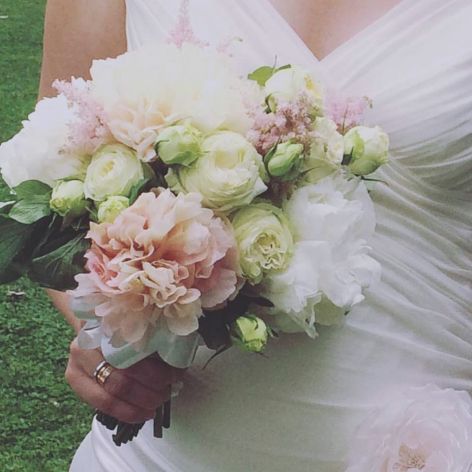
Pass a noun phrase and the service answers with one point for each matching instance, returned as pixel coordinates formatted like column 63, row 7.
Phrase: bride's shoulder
column 75, row 33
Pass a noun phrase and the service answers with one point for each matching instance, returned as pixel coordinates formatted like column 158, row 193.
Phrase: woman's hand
column 131, row 395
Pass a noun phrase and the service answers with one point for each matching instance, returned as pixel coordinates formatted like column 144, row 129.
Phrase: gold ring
column 102, row 372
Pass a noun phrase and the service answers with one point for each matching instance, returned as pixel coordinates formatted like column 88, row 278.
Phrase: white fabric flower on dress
column 424, row 429
column 38, row 152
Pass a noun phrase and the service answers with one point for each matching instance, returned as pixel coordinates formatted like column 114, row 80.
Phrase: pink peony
column 164, row 258
column 423, row 429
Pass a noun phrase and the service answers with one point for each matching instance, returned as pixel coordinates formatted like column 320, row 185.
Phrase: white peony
column 296, row 291
column 141, row 91
column 332, row 223
column 424, row 429
column 37, row 151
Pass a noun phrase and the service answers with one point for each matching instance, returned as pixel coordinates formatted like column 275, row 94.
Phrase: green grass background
column 42, row 422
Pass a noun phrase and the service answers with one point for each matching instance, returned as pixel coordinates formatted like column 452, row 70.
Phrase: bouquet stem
column 126, row 432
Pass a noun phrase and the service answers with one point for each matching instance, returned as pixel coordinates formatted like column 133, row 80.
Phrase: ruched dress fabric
column 298, row 408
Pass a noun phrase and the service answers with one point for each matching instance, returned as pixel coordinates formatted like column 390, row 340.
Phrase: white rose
column 368, row 148
column 36, row 152
column 263, row 238
column 423, row 429
column 287, row 84
column 114, row 170
column 229, row 174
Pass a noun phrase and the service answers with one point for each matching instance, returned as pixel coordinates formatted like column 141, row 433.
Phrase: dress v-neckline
column 363, row 31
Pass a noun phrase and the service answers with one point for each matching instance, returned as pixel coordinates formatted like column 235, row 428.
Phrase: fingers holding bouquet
column 131, row 395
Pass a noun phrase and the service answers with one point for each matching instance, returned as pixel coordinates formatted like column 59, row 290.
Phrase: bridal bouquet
column 181, row 204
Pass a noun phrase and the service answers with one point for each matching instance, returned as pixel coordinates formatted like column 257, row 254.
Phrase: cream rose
column 114, row 170
column 264, row 240
column 229, row 174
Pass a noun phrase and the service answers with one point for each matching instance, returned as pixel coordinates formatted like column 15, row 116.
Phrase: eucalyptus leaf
column 58, row 268
column 31, row 210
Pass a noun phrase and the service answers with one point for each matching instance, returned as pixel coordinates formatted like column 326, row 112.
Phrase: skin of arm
column 75, row 33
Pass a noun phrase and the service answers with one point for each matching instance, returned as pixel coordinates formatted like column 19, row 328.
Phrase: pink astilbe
column 291, row 120
column 183, row 32
column 89, row 131
column 164, row 258
column 346, row 112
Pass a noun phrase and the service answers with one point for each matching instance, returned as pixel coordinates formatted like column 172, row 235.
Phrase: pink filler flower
column 165, row 257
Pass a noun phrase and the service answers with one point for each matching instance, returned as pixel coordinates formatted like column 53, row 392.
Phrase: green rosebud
column 264, row 240
column 179, row 144
column 111, row 208
column 68, row 198
column 250, row 333
column 285, row 159
column 367, row 148
column 114, row 170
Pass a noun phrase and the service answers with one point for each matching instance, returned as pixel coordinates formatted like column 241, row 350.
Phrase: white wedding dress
column 298, row 409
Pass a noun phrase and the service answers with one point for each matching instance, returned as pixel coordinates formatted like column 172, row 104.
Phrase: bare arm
column 75, row 33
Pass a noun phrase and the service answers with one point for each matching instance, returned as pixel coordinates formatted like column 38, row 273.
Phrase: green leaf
column 58, row 268
column 5, row 191
column 261, row 75
column 30, row 211
column 11, row 274
column 13, row 237
column 31, row 188
column 264, row 73
column 137, row 189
